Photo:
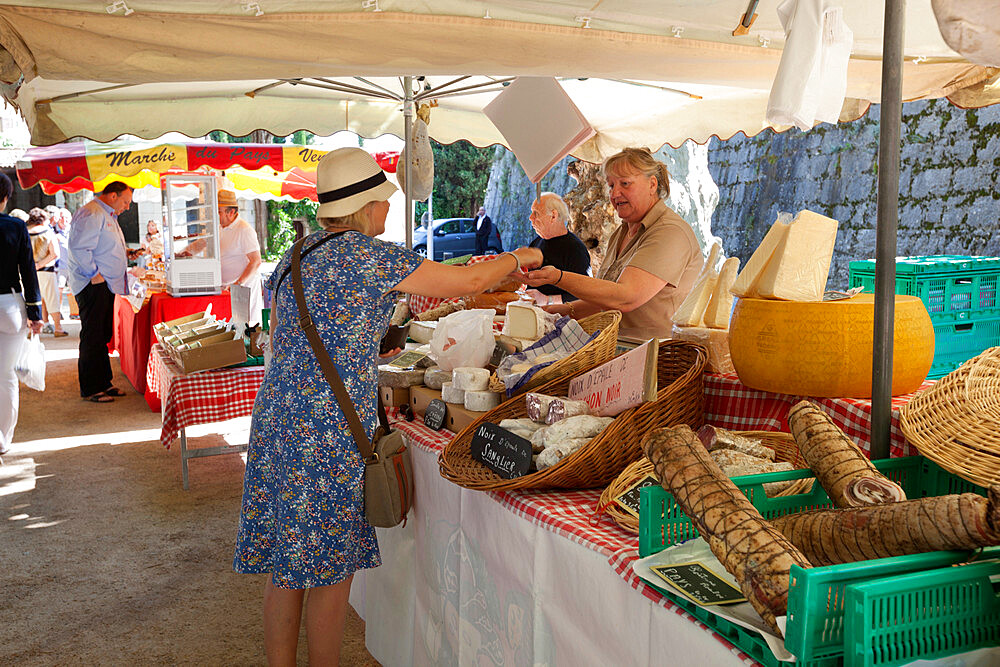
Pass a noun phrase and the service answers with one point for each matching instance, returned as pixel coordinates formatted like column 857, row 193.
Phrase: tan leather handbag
column 388, row 466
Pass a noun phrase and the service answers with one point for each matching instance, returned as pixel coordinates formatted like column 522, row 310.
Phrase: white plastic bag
column 30, row 366
column 464, row 339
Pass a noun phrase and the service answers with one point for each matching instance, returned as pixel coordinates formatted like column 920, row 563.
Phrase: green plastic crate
column 961, row 295
column 816, row 595
column 895, row 620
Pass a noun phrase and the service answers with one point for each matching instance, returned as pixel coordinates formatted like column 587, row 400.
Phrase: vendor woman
column 652, row 259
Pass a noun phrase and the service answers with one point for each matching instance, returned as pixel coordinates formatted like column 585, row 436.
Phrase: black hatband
column 352, row 189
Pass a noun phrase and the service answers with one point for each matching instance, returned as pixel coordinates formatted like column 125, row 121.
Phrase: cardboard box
column 456, row 419
column 393, row 397
column 216, row 355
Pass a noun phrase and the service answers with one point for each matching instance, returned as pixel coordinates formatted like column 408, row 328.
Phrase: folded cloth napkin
column 811, row 81
column 567, row 338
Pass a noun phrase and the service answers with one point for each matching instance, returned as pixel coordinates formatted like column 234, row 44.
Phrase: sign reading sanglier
column 501, row 451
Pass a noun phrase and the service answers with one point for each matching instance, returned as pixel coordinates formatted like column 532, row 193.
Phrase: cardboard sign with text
column 622, row 383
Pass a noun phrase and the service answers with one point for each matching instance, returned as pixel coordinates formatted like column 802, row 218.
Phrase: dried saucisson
column 842, row 469
column 756, row 554
column 960, row 521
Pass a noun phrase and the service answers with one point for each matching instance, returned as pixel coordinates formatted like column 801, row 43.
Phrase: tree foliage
column 461, row 172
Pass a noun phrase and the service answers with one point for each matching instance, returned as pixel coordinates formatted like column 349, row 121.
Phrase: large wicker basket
column 597, row 351
column 955, row 422
column 679, row 400
column 782, row 443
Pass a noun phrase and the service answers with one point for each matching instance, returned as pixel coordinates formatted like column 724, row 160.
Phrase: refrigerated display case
column 191, row 235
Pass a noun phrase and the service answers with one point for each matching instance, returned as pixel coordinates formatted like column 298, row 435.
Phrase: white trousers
column 13, row 333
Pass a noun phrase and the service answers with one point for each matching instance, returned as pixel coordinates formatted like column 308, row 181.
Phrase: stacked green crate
column 960, row 293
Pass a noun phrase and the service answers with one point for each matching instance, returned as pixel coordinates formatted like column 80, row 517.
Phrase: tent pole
column 885, row 232
column 407, row 153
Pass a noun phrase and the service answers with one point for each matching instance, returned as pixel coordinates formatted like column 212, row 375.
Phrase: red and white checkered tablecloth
column 570, row 514
column 200, row 398
column 730, row 404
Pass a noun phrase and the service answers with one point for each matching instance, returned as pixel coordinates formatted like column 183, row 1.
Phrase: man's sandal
column 114, row 391
column 99, row 397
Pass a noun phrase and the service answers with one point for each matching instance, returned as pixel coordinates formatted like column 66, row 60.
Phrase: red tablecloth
column 731, row 404
column 200, row 398
column 133, row 332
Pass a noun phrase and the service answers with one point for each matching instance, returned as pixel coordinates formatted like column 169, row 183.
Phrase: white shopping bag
column 30, row 365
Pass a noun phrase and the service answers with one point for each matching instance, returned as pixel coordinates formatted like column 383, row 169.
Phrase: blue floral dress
column 303, row 516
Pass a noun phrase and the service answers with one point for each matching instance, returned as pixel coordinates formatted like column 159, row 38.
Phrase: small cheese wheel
column 471, row 379
column 422, row 332
column 481, row 401
column 436, row 376
column 451, row 395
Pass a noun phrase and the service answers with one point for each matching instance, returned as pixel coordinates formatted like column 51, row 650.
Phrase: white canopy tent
column 84, row 68
column 644, row 72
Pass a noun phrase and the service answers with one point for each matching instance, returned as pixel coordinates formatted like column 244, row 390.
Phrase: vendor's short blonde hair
column 359, row 221
column 642, row 161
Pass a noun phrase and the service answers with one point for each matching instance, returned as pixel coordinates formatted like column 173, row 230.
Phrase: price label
column 501, row 451
column 629, row 500
column 699, row 584
column 435, row 413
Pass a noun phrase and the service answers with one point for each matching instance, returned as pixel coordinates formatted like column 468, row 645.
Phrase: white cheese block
column 746, row 282
column 801, row 263
column 716, row 341
column 481, row 401
column 436, row 376
column 470, row 379
column 451, row 395
column 720, row 306
column 525, row 321
column 422, row 332
column 691, row 311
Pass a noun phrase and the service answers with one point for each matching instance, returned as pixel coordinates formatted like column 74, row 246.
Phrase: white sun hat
column 346, row 180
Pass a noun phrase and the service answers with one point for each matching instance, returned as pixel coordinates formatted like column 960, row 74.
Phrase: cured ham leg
column 756, row 554
column 848, row 477
column 828, row 537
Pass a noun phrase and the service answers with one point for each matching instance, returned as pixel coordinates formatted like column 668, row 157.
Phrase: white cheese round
column 449, row 394
column 481, row 401
column 471, row 379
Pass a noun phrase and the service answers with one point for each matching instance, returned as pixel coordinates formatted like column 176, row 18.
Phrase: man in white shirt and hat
column 240, row 252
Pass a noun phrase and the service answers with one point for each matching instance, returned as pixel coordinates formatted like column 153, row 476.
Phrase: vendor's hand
column 544, row 299
column 390, row 353
column 137, row 271
column 546, row 275
column 35, row 326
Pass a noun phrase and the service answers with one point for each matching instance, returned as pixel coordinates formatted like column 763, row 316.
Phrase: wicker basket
column 956, row 422
column 679, row 400
column 784, row 448
column 595, row 352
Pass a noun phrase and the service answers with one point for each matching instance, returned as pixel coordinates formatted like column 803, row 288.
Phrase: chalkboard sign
column 501, row 451
column 699, row 584
column 629, row 500
column 435, row 413
column 408, row 359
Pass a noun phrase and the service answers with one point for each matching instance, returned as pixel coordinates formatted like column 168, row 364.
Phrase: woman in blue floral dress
column 302, row 518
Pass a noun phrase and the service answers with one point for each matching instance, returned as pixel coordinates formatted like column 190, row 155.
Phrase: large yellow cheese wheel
column 824, row 348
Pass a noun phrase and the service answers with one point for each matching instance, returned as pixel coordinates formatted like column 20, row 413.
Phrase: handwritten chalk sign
column 629, row 500
column 501, row 451
column 699, row 584
column 434, row 414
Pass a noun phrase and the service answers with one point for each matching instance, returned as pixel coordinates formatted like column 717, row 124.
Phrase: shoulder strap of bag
column 329, row 369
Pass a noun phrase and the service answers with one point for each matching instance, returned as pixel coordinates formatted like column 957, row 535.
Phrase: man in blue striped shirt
column 97, row 266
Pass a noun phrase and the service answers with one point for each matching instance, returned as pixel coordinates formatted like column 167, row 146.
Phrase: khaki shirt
column 666, row 247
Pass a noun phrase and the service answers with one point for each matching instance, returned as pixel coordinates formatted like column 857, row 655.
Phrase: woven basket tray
column 784, row 448
column 956, row 422
column 679, row 400
column 595, row 352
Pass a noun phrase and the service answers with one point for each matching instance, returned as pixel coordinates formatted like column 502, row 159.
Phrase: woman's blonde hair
column 359, row 221
column 642, row 161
